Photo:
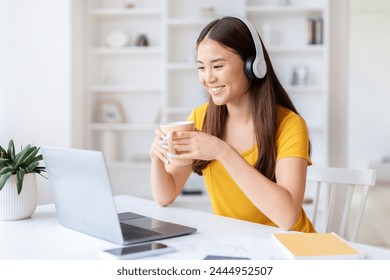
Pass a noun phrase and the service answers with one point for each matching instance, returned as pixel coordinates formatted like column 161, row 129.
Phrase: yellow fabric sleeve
column 292, row 138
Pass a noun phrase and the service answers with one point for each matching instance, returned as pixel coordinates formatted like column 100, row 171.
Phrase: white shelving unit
column 159, row 83
column 184, row 22
column 284, row 29
column 131, row 76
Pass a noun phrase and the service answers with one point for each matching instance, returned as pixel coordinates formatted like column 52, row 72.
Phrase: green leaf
column 11, row 149
column 19, row 179
column 4, row 162
column 41, row 175
column 39, row 171
column 3, row 153
column 31, row 167
column 4, row 178
column 38, row 158
column 32, row 158
column 20, row 157
column 6, row 170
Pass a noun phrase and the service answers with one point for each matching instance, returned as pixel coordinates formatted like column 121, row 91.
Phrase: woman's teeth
column 216, row 89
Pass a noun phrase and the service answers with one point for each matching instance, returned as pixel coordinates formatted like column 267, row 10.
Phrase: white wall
column 35, row 80
column 369, row 82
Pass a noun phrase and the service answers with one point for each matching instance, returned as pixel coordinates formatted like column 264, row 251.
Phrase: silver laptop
column 84, row 201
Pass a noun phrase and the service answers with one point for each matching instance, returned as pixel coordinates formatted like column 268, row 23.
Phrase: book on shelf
column 316, row 246
column 315, row 30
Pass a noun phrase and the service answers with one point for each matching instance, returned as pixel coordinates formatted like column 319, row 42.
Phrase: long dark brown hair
column 266, row 95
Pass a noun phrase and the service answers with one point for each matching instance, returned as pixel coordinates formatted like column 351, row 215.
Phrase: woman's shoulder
column 198, row 114
column 287, row 116
column 202, row 108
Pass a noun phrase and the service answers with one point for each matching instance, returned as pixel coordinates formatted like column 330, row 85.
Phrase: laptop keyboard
column 133, row 232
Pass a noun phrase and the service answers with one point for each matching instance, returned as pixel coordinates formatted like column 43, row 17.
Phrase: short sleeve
column 292, row 139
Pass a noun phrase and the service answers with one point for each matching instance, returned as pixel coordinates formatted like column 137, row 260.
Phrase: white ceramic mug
column 177, row 126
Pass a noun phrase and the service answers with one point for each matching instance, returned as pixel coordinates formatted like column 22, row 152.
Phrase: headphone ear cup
column 248, row 68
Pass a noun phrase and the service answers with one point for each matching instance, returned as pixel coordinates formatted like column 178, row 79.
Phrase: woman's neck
column 241, row 111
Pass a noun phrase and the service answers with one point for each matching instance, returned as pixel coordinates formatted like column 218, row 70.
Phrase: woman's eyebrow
column 214, row 60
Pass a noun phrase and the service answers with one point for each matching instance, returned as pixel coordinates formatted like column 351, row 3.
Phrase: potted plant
column 18, row 185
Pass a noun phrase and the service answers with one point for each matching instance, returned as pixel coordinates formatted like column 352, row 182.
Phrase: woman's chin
column 218, row 101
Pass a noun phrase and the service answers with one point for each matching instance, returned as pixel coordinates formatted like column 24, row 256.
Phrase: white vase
column 14, row 206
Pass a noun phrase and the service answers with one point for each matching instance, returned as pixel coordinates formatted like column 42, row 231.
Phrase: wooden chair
column 340, row 185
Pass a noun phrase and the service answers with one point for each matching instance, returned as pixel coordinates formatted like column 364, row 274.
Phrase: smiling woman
column 250, row 143
column 222, row 77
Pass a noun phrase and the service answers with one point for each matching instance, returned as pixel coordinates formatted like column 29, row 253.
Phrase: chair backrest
column 336, row 182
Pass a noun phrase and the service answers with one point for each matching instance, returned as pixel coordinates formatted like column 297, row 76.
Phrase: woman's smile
column 216, row 89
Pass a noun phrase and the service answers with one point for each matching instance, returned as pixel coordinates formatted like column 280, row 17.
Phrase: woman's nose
column 210, row 77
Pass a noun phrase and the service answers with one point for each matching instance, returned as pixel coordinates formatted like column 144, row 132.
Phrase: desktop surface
column 42, row 237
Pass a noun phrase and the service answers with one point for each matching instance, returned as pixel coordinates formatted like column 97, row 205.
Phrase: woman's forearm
column 162, row 183
column 264, row 193
column 167, row 181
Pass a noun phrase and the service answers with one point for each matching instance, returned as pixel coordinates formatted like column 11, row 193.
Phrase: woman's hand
column 196, row 145
column 167, row 180
column 159, row 147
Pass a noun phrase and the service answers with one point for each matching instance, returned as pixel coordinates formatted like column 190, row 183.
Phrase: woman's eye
column 218, row 66
column 200, row 68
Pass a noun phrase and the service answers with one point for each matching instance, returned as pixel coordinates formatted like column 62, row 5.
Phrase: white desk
column 42, row 237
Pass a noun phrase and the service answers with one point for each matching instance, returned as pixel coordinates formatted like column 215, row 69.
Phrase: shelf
column 128, row 165
column 124, row 12
column 194, row 198
column 178, row 110
column 182, row 66
column 123, row 126
column 127, row 50
column 183, row 23
column 295, row 49
column 123, row 88
column 303, row 89
column 283, row 10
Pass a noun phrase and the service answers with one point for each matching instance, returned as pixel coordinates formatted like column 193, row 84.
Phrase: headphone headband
column 258, row 66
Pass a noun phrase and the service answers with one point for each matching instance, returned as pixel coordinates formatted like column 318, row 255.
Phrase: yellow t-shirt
column 227, row 198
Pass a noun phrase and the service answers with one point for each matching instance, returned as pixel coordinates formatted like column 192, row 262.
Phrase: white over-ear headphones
column 255, row 67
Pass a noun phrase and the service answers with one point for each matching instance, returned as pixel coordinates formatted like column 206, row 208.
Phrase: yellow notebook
column 316, row 246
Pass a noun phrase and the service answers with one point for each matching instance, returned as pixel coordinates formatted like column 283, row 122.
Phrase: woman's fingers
column 160, row 146
column 169, row 143
column 176, row 142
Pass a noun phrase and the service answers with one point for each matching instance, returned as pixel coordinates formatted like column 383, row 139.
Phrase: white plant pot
column 14, row 206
